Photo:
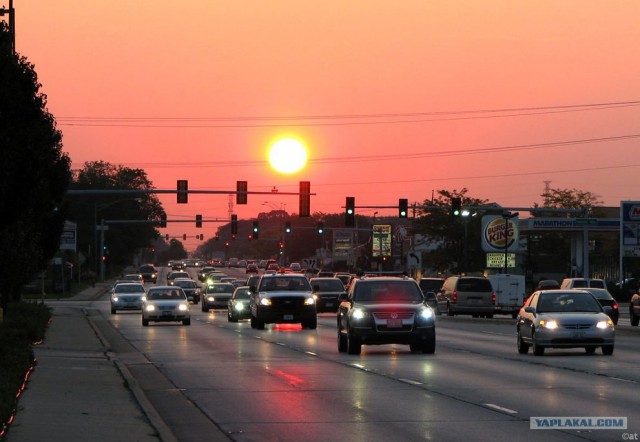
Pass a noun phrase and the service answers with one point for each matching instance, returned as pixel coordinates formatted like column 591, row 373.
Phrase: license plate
column 166, row 313
column 394, row 323
column 578, row 335
column 288, row 317
column 329, row 304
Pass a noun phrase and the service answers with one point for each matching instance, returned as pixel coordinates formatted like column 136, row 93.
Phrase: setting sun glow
column 287, row 155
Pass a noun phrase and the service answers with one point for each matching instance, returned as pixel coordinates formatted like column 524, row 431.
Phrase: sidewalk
column 77, row 390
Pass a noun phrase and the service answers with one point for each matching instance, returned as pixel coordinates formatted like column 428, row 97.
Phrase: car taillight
column 493, row 297
column 615, row 305
column 454, row 296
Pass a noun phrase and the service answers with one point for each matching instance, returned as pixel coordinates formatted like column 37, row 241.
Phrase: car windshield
column 129, row 288
column 284, row 284
column 158, row 295
column 567, row 302
column 387, row 292
column 328, row 285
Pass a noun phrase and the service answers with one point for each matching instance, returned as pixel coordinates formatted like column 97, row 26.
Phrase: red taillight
column 454, row 296
column 493, row 297
column 615, row 306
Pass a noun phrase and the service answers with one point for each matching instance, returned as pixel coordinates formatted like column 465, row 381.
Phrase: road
column 289, row 384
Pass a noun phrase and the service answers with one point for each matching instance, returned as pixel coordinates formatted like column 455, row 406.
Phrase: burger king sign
column 499, row 233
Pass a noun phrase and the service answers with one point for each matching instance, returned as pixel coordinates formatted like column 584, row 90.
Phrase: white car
column 165, row 303
column 127, row 296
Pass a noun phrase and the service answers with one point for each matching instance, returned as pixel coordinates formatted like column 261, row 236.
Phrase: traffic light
column 281, row 248
column 182, row 191
column 234, row 224
column 456, row 206
column 287, row 227
column 254, row 231
column 198, row 221
column 350, row 214
column 184, row 236
column 403, row 207
column 226, row 244
column 320, row 227
column 167, row 237
column 241, row 192
column 305, row 199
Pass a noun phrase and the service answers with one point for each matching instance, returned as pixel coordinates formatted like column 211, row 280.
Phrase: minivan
column 467, row 295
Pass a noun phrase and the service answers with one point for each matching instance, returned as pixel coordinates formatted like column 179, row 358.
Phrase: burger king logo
column 500, row 234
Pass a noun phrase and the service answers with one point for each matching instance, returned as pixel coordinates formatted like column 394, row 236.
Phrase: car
column 252, row 282
column 189, row 287
column 548, row 284
column 165, row 304
column 217, row 295
column 429, row 287
column 344, row 277
column 149, row 273
column 470, row 295
column 564, row 319
column 327, row 291
column 127, row 296
column 214, row 276
column 202, row 273
column 133, row 277
column 605, row 299
column 252, row 268
column 238, row 305
column 178, row 266
column 283, row 298
column 239, row 282
column 295, row 267
column 272, row 266
column 173, row 275
column 634, row 309
column 385, row 310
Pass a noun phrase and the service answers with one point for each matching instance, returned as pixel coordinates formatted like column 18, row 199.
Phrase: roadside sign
column 586, row 221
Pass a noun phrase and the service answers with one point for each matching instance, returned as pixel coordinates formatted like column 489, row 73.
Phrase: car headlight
column 425, row 313
column 551, row 324
column 150, row 307
column 265, row 301
column 114, row 298
column 183, row 307
column 239, row 306
column 310, row 301
column 211, row 298
column 359, row 313
column 143, row 298
column 604, row 324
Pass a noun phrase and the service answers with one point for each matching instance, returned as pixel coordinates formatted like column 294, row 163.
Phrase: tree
column 122, row 240
column 34, row 174
column 457, row 241
column 567, row 199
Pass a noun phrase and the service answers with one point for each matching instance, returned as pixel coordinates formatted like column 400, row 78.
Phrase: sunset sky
column 393, row 99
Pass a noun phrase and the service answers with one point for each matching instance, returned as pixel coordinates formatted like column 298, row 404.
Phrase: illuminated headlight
column 114, row 298
column 239, row 306
column 150, row 308
column 143, row 298
column 604, row 324
column 549, row 325
column 426, row 313
column 211, row 298
column 359, row 313
column 309, row 301
column 265, row 301
column 183, row 307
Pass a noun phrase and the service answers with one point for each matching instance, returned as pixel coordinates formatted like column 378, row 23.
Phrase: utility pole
column 11, row 12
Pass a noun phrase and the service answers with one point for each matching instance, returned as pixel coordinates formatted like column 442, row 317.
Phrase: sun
column 287, row 155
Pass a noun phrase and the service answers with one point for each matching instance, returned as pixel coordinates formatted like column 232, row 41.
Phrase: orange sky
column 156, row 66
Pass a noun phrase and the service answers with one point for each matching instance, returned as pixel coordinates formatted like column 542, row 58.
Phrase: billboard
column 68, row 237
column 381, row 245
column 499, row 234
column 630, row 228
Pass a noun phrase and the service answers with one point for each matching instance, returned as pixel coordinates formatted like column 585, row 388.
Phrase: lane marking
column 499, row 408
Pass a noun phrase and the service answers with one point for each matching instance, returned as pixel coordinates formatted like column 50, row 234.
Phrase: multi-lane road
column 216, row 378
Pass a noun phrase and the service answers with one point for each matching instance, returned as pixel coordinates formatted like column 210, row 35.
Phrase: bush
column 24, row 324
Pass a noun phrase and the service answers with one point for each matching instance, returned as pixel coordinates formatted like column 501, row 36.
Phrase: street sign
column 496, row 260
column 586, row 221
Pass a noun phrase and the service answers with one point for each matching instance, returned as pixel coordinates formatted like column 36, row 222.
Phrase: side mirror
column 530, row 310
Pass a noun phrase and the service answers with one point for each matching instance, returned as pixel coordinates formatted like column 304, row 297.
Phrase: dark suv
column 149, row 273
column 283, row 298
column 385, row 310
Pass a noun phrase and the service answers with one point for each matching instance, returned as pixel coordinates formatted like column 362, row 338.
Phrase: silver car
column 165, row 303
column 127, row 296
column 564, row 319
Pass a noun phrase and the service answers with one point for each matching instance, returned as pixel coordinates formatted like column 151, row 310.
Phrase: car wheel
column 607, row 350
column 113, row 311
column 256, row 323
column 232, row 318
column 590, row 350
column 414, row 346
column 354, row 347
column 635, row 320
column 523, row 347
column 312, row 324
column 186, row 321
column 205, row 308
column 537, row 349
column 145, row 322
column 449, row 312
column 429, row 346
column 342, row 342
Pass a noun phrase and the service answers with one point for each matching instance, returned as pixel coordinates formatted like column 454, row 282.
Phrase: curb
column 164, row 432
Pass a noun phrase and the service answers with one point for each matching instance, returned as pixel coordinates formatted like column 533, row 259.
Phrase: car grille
column 393, row 315
column 130, row 298
column 383, row 319
column 287, row 303
column 165, row 308
column 577, row 326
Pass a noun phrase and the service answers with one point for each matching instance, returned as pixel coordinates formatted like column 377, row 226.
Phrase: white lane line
column 410, row 381
column 499, row 408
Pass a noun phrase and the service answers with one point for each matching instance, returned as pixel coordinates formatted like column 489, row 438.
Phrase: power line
column 397, row 118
